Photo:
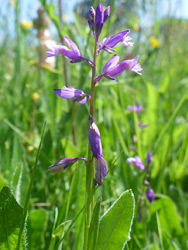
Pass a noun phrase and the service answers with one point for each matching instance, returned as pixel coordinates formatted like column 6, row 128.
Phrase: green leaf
column 10, row 216
column 17, row 175
column 3, row 181
column 62, row 228
column 115, row 225
column 94, row 227
column 168, row 215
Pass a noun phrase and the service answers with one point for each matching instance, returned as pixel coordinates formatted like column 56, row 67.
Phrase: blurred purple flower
column 142, row 125
column 109, row 42
column 112, row 70
column 146, row 182
column 150, row 195
column 74, row 53
column 137, row 108
column 69, row 92
column 149, row 157
column 94, row 139
column 100, row 170
column 64, row 163
column 136, row 161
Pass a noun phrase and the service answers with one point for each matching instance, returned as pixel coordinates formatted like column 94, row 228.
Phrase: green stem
column 90, row 188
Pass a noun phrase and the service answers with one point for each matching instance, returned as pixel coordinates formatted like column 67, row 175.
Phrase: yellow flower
column 154, row 42
column 26, row 24
column 35, row 96
column 12, row 2
column 136, row 27
column 30, row 148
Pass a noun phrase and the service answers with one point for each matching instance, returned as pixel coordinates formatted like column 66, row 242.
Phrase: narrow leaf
column 94, row 227
column 62, row 228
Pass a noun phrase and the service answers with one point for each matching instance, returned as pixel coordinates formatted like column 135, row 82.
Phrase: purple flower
column 97, row 19
column 64, row 163
column 69, row 92
column 74, row 53
column 100, row 170
column 108, row 43
column 112, row 70
column 150, row 195
column 149, row 157
column 142, row 125
column 146, row 182
column 136, row 161
column 94, row 139
column 137, row 108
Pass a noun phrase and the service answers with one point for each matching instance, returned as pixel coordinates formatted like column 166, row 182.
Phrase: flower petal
column 126, row 41
column 54, row 49
column 150, row 195
column 73, row 46
column 94, row 139
column 106, row 14
column 99, row 19
column 69, row 92
column 136, row 161
column 100, row 170
column 111, row 63
column 117, row 38
column 149, row 157
column 64, row 163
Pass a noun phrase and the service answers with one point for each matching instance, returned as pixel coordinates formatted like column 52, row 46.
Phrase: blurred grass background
column 27, row 100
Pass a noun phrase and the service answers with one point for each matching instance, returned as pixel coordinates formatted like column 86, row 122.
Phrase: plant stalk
column 90, row 188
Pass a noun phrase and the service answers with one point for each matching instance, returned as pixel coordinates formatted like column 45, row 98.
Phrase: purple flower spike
column 137, row 108
column 149, row 157
column 74, row 53
column 64, row 163
column 69, row 92
column 100, row 170
column 150, row 195
column 108, row 43
column 136, row 161
column 99, row 19
column 94, row 139
column 112, row 70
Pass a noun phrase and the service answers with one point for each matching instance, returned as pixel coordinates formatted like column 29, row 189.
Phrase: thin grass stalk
column 22, row 224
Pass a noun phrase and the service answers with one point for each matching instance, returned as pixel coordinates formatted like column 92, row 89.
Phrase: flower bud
column 94, row 139
column 64, row 163
column 91, row 18
column 150, row 195
column 100, row 170
column 106, row 14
